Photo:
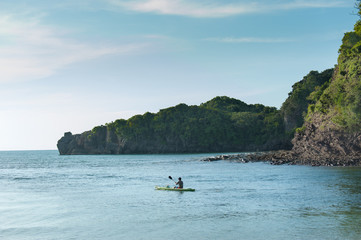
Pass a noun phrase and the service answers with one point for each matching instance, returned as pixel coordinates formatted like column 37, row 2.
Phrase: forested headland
column 219, row 125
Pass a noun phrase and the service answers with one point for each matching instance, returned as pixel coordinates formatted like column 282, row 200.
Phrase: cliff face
column 107, row 142
column 321, row 142
column 102, row 142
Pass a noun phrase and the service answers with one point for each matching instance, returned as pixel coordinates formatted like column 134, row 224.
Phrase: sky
column 73, row 65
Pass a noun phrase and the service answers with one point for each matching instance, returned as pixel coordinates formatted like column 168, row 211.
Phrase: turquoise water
column 47, row 196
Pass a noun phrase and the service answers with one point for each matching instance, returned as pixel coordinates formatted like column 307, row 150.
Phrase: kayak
column 175, row 189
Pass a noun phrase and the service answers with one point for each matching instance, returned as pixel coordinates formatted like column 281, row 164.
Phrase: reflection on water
column 349, row 209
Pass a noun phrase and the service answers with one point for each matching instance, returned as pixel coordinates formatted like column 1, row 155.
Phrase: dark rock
column 322, row 144
column 236, row 157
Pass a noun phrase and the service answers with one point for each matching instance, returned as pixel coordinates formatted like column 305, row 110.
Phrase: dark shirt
column 180, row 183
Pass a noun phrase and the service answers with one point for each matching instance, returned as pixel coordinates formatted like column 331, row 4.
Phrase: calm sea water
column 47, row 196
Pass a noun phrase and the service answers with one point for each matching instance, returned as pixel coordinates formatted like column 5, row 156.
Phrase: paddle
column 172, row 179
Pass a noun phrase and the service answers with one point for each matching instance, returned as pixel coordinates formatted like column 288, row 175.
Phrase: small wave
column 112, row 176
column 22, row 178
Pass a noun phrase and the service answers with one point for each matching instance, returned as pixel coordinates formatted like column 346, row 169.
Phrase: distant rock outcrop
column 101, row 142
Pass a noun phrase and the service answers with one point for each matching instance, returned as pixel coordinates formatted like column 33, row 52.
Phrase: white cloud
column 211, row 9
column 312, row 4
column 186, row 8
column 32, row 50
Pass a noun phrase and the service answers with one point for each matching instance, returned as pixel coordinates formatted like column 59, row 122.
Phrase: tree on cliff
column 295, row 107
column 358, row 6
column 340, row 102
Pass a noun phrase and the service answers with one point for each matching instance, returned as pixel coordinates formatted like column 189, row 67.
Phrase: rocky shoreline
column 273, row 157
column 287, row 157
column 319, row 143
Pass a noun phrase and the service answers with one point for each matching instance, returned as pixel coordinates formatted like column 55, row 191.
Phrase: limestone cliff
column 101, row 142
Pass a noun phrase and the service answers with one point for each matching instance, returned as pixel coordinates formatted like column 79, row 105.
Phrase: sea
column 47, row 196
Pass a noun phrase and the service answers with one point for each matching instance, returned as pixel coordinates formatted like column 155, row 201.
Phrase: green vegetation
column 222, row 124
column 227, row 124
column 304, row 92
column 340, row 100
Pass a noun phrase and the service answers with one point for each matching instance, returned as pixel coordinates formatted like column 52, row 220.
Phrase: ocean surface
column 47, row 196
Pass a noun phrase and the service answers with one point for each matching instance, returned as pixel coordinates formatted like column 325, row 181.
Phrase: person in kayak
column 179, row 183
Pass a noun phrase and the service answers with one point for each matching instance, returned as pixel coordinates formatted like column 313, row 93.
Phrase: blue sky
column 67, row 66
